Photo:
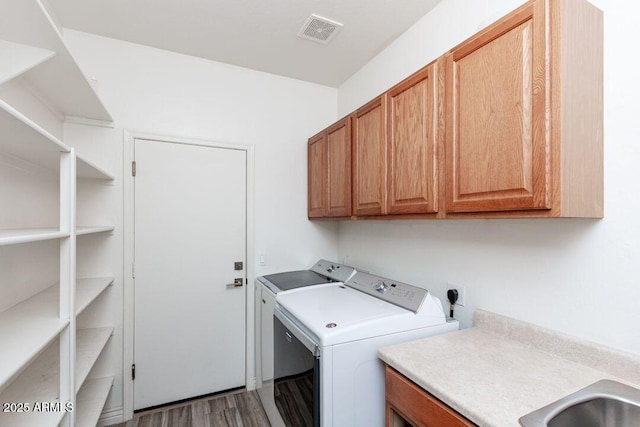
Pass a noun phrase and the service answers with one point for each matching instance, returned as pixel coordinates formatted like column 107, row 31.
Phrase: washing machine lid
column 323, row 271
column 293, row 279
column 337, row 314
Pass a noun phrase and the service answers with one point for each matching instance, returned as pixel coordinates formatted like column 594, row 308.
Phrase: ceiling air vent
column 319, row 29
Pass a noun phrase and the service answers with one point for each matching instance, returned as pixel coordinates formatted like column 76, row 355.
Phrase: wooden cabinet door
column 412, row 153
column 370, row 159
column 497, row 141
column 339, row 165
column 317, row 179
column 408, row 404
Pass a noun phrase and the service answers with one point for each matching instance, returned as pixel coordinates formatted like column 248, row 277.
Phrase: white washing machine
column 339, row 379
column 266, row 288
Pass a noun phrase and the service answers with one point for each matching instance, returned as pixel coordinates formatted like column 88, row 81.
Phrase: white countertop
column 502, row 369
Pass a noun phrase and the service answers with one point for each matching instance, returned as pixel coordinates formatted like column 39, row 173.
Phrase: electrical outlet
column 462, row 296
column 462, row 293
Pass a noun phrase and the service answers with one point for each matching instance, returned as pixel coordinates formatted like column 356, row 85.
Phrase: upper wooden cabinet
column 524, row 114
column 396, row 141
column 507, row 124
column 339, row 169
column 317, row 176
column 370, row 158
column 414, row 143
column 329, row 172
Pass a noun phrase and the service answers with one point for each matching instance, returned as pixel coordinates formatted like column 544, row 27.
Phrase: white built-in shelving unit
column 39, row 55
column 44, row 356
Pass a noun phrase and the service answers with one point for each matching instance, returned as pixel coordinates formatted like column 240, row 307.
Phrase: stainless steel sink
column 604, row 403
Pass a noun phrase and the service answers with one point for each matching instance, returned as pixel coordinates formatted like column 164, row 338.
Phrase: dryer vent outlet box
column 319, row 29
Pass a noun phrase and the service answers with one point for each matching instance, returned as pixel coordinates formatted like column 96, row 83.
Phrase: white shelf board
column 32, row 419
column 23, row 138
column 39, row 383
column 89, row 345
column 28, row 235
column 25, row 331
column 60, row 79
column 90, row 401
column 81, row 231
column 16, row 58
column 88, row 169
column 88, row 289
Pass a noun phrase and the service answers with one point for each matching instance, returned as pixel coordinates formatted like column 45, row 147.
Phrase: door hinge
column 133, row 271
column 133, row 168
column 133, row 371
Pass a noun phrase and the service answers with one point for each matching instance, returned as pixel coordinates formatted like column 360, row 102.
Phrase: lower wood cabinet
column 409, row 405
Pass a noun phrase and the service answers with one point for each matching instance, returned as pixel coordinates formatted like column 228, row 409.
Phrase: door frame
column 128, row 241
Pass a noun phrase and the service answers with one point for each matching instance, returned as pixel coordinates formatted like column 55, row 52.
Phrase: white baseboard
column 251, row 384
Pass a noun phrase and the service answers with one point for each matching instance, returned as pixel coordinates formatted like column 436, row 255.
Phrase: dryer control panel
column 401, row 294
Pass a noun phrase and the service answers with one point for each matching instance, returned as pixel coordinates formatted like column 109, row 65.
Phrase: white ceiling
column 257, row 34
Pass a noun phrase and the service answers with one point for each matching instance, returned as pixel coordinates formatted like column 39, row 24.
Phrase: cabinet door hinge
column 133, row 371
column 133, row 168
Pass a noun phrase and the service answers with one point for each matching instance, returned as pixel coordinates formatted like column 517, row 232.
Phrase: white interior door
column 189, row 230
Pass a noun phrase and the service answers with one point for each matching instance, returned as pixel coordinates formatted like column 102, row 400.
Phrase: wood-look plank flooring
column 234, row 409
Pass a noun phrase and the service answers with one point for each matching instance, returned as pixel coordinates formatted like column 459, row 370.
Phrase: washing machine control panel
column 401, row 294
column 333, row 270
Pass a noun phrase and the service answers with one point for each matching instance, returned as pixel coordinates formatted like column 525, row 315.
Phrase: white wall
column 23, row 98
column 577, row 276
column 449, row 23
column 164, row 93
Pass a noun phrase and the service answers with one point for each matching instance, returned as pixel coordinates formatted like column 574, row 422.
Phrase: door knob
column 238, row 282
